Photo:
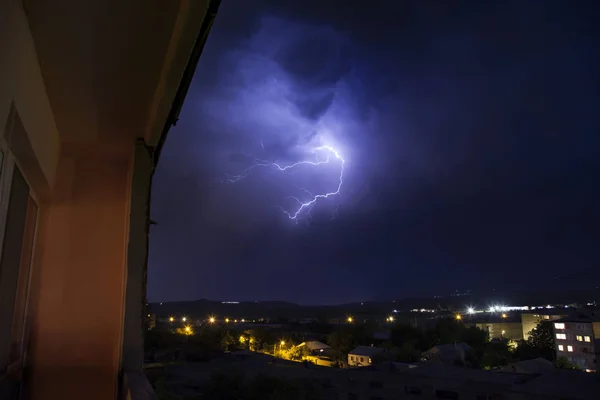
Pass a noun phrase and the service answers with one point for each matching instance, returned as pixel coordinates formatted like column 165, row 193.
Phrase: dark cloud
column 470, row 135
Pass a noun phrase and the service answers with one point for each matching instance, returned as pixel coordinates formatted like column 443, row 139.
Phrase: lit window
column 561, row 336
column 559, row 325
column 587, row 339
column 579, row 338
column 570, row 349
column 561, row 347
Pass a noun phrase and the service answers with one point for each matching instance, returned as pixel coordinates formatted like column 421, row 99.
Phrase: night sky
column 469, row 131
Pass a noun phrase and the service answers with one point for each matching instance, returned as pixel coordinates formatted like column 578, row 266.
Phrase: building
column 499, row 325
column 531, row 320
column 317, row 348
column 578, row 339
column 88, row 92
column 363, row 356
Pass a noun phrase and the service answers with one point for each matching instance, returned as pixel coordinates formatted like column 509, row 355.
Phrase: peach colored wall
column 21, row 82
column 80, row 261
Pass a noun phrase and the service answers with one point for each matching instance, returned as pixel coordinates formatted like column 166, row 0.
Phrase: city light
column 390, row 319
column 188, row 329
column 211, row 320
column 184, row 319
column 171, row 319
column 504, row 315
column 226, row 320
column 350, row 320
column 470, row 310
column 282, row 343
column 458, row 317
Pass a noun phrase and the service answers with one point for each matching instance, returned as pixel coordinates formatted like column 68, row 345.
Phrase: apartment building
column 578, row 339
column 530, row 321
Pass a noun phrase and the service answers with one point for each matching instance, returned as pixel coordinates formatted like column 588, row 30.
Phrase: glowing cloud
column 303, row 206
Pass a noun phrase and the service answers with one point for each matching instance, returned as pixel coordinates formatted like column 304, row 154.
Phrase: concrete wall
column 80, row 265
column 21, row 83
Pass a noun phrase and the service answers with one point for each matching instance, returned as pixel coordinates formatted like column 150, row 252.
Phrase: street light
column 470, row 310
column 390, row 319
column 504, row 316
column 350, row 320
column 226, row 320
column 184, row 319
column 211, row 320
column 282, row 343
column 171, row 319
column 458, row 317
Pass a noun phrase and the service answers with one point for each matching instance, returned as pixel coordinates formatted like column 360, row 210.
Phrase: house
column 363, row 356
column 317, row 348
column 450, row 354
column 88, row 92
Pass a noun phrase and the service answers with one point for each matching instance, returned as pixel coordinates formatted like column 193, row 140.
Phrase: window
column 351, row 358
column 559, row 325
column 579, row 338
column 584, row 349
column 561, row 347
column 570, row 349
column 362, row 359
column 587, row 339
column 561, row 336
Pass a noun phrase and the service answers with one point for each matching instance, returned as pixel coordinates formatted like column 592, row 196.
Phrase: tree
column 542, row 340
column 228, row 342
column 341, row 341
column 407, row 353
column 495, row 354
column 564, row 363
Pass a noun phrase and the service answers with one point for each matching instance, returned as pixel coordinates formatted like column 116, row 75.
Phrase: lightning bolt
column 303, row 206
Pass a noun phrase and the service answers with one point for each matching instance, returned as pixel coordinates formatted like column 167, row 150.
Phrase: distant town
column 377, row 350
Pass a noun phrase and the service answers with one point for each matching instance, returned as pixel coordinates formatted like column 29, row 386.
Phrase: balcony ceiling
column 102, row 62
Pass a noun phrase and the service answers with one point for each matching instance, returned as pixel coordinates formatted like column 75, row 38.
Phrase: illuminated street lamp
column 458, row 317
column 226, row 320
column 504, row 316
column 282, row 343
column 390, row 319
column 171, row 319
column 184, row 319
column 211, row 320
column 470, row 310
column 350, row 320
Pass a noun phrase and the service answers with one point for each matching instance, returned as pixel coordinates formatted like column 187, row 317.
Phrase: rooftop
column 368, row 351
